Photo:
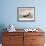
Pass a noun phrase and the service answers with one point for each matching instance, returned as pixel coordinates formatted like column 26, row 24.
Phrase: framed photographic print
column 26, row 14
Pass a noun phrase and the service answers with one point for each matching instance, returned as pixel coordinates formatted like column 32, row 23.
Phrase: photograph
column 26, row 13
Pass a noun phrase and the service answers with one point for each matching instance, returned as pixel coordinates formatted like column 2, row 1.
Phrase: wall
column 9, row 13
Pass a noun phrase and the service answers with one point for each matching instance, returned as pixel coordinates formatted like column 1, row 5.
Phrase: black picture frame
column 26, row 14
